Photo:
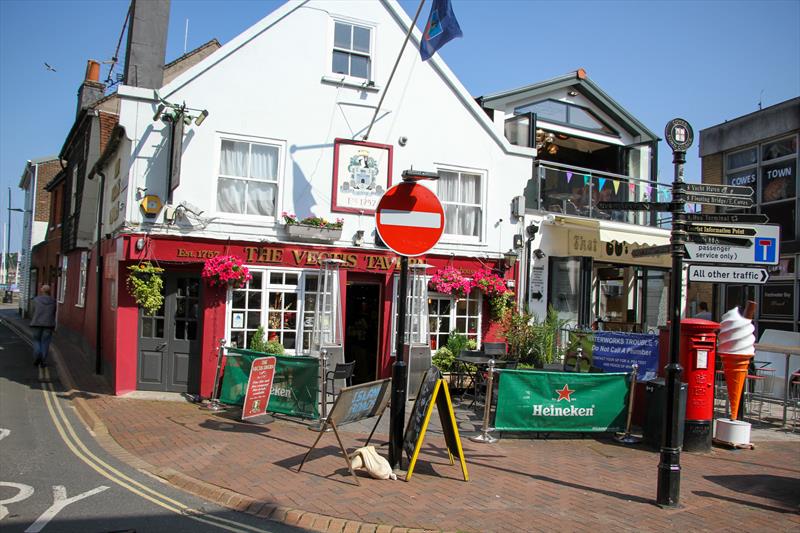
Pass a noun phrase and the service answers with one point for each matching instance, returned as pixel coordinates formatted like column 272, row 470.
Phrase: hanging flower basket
column 226, row 271
column 315, row 229
column 448, row 280
column 491, row 285
column 145, row 285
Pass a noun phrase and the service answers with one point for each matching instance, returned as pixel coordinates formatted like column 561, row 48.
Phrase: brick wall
column 47, row 171
column 711, row 173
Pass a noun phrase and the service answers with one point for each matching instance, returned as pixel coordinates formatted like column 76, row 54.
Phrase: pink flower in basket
column 489, row 283
column 226, row 271
column 448, row 280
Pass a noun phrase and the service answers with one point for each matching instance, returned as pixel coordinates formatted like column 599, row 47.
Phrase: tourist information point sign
column 722, row 231
column 721, row 274
column 410, row 219
column 727, row 218
column 725, row 190
column 763, row 249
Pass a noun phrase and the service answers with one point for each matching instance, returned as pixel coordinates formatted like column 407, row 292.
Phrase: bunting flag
column 601, row 182
column 586, row 179
column 615, row 183
column 442, row 27
column 569, row 176
column 649, row 190
column 632, row 187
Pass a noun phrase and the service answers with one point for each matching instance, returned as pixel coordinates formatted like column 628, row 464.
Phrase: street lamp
column 6, row 247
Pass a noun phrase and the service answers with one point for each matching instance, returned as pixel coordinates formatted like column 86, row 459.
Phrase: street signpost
column 409, row 220
column 653, row 250
column 636, row 206
column 713, row 239
column 725, row 190
column 728, row 201
column 721, row 274
column 761, row 249
column 727, row 218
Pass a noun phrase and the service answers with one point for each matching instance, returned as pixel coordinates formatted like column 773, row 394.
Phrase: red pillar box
column 698, row 346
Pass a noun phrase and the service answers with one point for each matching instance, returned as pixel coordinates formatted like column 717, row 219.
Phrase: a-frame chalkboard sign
column 433, row 392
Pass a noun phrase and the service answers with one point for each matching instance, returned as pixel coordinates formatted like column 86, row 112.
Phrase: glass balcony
column 577, row 191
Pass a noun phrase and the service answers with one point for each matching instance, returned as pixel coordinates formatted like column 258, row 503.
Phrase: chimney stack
column 91, row 90
column 147, row 43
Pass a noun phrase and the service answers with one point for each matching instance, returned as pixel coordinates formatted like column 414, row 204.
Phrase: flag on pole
column 441, row 28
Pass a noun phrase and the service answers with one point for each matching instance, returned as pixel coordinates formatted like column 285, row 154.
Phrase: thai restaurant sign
column 589, row 243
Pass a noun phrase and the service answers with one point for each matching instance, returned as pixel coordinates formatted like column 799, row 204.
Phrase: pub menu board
column 776, row 300
column 361, row 401
column 432, row 390
column 259, row 387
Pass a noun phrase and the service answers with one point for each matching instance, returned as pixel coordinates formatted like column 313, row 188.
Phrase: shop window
column 447, row 314
column 778, row 181
column 62, row 280
column 82, row 280
column 785, row 214
column 280, row 301
column 565, row 287
column 742, row 158
column 779, row 148
column 565, row 113
column 460, row 194
column 248, row 178
column 352, row 50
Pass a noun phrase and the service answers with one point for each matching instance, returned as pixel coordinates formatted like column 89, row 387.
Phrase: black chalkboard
column 361, row 401
column 420, row 409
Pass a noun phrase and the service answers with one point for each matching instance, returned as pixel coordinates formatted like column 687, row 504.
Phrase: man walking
column 43, row 323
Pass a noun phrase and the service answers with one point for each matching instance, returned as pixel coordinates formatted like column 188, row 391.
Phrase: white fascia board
column 232, row 46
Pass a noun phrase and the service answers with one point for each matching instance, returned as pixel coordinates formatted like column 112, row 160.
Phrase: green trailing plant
column 258, row 343
column 444, row 359
column 146, row 285
column 456, row 342
column 500, row 304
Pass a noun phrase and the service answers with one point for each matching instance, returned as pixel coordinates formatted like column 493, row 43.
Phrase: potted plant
column 491, row 285
column 146, row 286
column 226, row 271
column 312, row 228
column 531, row 341
column 259, row 343
column 449, row 280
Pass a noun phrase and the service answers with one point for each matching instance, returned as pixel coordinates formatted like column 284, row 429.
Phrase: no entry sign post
column 410, row 220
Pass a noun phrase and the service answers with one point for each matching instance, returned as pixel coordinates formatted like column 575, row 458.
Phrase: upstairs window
column 568, row 114
column 351, row 50
column 82, row 280
column 460, row 194
column 248, row 178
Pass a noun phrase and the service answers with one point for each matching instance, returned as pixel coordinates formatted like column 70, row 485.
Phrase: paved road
column 54, row 477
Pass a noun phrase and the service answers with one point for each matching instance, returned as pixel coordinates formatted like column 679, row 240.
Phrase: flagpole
column 394, row 69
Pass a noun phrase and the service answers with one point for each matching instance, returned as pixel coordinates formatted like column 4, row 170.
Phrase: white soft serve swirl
column 736, row 334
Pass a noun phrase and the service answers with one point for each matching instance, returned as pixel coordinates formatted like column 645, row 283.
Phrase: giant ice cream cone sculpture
column 735, row 348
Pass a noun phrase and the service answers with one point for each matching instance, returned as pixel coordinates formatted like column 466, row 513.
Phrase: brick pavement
column 515, row 484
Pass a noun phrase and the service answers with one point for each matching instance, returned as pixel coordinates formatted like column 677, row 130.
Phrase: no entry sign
column 410, row 219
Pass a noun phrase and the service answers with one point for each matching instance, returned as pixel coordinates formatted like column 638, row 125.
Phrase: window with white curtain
column 460, row 194
column 62, row 279
column 248, row 178
column 82, row 280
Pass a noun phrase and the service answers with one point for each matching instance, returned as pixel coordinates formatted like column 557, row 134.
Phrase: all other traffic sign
column 409, row 219
column 721, row 274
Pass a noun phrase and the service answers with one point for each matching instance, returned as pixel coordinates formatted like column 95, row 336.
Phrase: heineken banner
column 294, row 386
column 528, row 400
column 617, row 352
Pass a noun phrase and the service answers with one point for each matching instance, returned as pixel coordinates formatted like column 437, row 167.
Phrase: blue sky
column 705, row 61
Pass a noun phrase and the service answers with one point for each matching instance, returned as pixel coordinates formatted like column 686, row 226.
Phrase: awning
column 632, row 237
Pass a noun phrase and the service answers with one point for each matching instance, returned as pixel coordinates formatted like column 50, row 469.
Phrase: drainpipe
column 98, row 362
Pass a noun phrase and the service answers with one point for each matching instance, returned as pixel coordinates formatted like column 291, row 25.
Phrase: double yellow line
column 77, row 447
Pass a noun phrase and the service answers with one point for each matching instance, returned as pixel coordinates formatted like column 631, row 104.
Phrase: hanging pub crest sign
column 361, row 174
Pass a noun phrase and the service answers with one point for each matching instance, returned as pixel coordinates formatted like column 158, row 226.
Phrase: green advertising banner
column 561, row 401
column 294, row 387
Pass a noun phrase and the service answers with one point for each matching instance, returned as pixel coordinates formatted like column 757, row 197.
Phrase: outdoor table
column 481, row 362
column 788, row 351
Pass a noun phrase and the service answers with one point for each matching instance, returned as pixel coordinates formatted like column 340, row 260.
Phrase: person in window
column 43, row 323
column 704, row 313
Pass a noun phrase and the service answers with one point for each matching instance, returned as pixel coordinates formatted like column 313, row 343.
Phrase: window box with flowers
column 226, row 271
column 500, row 298
column 449, row 280
column 313, row 229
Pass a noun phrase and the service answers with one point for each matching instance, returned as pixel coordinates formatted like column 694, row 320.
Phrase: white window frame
column 81, row 301
column 466, row 239
column 73, row 199
column 372, row 55
column 62, row 279
column 252, row 139
column 301, row 330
